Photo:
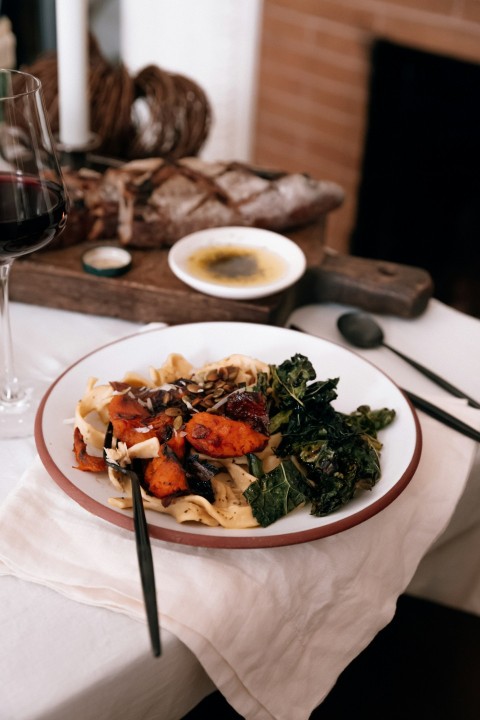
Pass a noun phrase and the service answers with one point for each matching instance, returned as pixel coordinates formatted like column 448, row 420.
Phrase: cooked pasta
column 228, row 507
column 235, row 443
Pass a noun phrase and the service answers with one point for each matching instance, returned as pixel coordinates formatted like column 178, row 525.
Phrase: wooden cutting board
column 150, row 292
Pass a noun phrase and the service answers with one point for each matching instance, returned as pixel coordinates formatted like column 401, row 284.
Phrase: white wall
column 104, row 22
column 213, row 42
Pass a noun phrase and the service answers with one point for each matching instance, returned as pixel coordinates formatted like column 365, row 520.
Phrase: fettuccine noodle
column 229, row 509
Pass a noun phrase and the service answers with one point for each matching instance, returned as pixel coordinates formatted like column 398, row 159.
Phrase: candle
column 72, row 60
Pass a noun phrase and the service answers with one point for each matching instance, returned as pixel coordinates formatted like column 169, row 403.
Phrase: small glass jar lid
column 107, row 261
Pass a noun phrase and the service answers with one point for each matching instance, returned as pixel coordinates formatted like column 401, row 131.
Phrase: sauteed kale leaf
column 338, row 453
column 276, row 493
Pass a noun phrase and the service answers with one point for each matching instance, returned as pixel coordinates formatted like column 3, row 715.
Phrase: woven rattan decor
column 151, row 114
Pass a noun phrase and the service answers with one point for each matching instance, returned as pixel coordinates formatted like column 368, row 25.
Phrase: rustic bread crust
column 152, row 203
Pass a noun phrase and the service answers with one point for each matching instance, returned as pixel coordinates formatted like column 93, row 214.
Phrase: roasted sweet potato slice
column 222, row 437
column 127, row 415
column 130, row 433
column 85, row 461
column 164, row 474
column 178, row 444
column 162, row 427
column 132, row 423
column 127, row 407
column 251, row 407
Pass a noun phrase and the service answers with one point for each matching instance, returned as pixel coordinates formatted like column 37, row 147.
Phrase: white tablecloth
column 448, row 342
column 62, row 658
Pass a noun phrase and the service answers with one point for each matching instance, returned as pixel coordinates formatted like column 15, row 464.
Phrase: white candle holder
column 76, row 156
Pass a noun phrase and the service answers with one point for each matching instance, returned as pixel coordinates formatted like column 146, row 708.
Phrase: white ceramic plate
column 292, row 258
column 360, row 383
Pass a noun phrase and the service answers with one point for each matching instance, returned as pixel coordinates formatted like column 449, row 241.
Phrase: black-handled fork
column 144, row 550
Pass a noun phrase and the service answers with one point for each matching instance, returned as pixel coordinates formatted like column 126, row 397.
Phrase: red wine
column 31, row 214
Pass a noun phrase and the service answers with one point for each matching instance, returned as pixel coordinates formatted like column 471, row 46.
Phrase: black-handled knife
column 441, row 415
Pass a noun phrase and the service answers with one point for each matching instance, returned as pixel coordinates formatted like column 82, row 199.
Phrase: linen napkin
column 272, row 627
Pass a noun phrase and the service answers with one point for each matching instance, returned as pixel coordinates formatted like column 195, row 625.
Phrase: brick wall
column 314, row 74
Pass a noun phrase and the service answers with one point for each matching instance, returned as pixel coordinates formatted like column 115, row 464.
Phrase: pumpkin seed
column 173, row 411
column 178, row 422
column 194, row 388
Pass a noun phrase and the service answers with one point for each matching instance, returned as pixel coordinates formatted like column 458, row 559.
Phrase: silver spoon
column 362, row 330
column 430, row 409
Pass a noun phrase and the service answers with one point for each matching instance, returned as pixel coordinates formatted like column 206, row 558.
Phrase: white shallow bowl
column 294, row 260
column 360, row 383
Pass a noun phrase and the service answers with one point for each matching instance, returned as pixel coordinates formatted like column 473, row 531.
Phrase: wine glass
column 33, row 211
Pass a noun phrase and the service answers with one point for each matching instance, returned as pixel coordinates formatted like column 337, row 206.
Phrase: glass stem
column 9, row 390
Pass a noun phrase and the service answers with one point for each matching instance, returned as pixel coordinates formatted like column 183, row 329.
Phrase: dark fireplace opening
column 419, row 196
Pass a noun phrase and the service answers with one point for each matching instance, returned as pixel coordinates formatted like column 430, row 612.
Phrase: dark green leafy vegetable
column 255, row 465
column 290, row 392
column 338, row 453
column 289, row 380
column 370, row 421
column 276, row 493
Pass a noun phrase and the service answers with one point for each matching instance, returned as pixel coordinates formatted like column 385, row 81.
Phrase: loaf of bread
column 153, row 202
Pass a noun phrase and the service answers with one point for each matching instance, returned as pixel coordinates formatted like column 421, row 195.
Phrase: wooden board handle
column 374, row 285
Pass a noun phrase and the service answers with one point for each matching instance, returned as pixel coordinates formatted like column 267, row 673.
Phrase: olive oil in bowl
column 236, row 265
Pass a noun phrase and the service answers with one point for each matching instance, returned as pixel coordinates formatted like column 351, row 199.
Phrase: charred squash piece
column 178, row 444
column 127, row 407
column 251, row 407
column 164, row 474
column 130, row 420
column 162, row 427
column 127, row 415
column 86, row 462
column 130, row 432
column 222, row 437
